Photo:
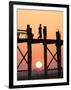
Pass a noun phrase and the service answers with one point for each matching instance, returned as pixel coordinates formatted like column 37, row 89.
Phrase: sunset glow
column 53, row 20
column 38, row 64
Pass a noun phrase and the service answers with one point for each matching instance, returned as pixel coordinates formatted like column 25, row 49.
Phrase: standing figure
column 29, row 32
column 40, row 32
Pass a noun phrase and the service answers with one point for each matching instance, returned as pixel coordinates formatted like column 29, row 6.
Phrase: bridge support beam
column 29, row 31
column 58, row 47
column 45, row 51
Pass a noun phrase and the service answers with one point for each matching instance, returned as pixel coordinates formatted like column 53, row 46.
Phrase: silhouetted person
column 29, row 32
column 40, row 32
column 58, row 36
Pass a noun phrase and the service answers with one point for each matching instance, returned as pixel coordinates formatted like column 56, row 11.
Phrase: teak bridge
column 30, row 40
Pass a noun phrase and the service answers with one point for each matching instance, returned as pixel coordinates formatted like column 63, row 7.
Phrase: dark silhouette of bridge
column 30, row 40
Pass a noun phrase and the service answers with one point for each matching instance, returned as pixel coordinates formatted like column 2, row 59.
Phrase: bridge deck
column 33, row 41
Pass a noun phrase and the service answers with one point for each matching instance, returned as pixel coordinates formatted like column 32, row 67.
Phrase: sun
column 38, row 64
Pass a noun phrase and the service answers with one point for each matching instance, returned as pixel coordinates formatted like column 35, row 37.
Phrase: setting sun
column 38, row 64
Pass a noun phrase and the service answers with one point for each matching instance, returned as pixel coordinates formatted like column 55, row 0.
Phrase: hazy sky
column 52, row 19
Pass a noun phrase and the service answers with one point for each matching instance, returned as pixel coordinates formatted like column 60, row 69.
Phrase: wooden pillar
column 45, row 51
column 29, row 30
column 58, row 46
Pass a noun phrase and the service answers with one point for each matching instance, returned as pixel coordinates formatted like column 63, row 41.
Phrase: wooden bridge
column 30, row 40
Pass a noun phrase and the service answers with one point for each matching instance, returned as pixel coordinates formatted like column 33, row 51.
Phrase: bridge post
column 45, row 51
column 58, row 47
column 29, row 31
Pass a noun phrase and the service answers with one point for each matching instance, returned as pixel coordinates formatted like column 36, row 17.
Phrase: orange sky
column 52, row 19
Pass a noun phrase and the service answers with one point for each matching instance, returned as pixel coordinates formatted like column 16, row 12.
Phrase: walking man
column 40, row 32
